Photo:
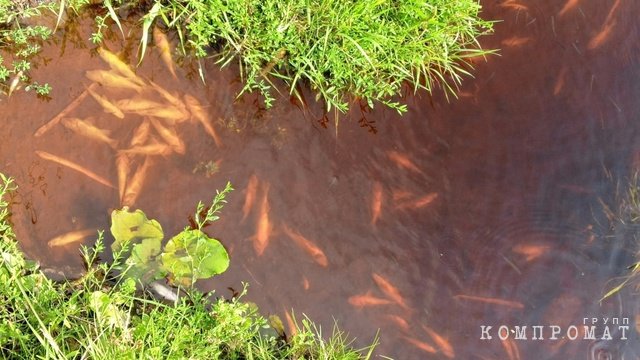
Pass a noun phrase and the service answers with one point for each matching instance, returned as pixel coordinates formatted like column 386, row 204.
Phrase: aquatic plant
column 187, row 257
column 102, row 316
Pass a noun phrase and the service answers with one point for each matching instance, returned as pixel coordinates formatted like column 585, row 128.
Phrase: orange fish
column 169, row 136
column 112, row 80
column 198, row 113
column 107, row 105
column 123, row 164
column 389, row 290
column 154, row 148
column 568, row 6
column 530, row 252
column 403, row 161
column 607, row 27
column 265, row 228
column 141, row 134
column 70, row 237
column 376, row 202
column 399, row 195
column 305, row 283
column 515, row 41
column 70, row 164
column 86, row 129
column 510, row 4
column 489, row 300
column 171, row 98
column 162, row 43
column 421, row 345
column 367, row 299
column 308, row 246
column 70, row 107
column 400, row 322
column 418, row 203
column 560, row 81
column 249, row 196
column 293, row 329
column 441, row 343
column 119, row 66
column 134, row 186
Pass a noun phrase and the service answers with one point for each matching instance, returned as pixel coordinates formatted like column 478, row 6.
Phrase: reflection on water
column 485, row 210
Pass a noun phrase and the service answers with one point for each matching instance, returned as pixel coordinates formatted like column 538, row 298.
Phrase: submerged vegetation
column 104, row 315
column 344, row 50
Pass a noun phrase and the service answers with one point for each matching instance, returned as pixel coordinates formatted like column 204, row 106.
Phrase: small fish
column 70, row 164
column 170, row 136
column 376, row 202
column 265, row 228
column 152, row 149
column 134, row 185
column 399, row 195
column 169, row 114
column 112, row 80
column 489, row 300
column 70, row 237
column 365, row 300
column 560, row 81
column 250, row 196
column 137, row 104
column 291, row 324
column 403, row 161
column 123, row 166
column 70, row 107
column 510, row 4
column 389, row 290
column 86, row 129
column 141, row 134
column 418, row 203
column 530, row 251
column 515, row 41
column 107, row 105
column 162, row 43
column 421, row 345
column 308, row 246
column 198, row 113
column 305, row 283
column 14, row 83
column 602, row 36
column 120, row 66
column 171, row 98
column 443, row 344
column 399, row 322
column 568, row 6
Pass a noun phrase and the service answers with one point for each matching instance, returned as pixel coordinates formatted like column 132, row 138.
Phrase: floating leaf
column 134, row 227
column 193, row 255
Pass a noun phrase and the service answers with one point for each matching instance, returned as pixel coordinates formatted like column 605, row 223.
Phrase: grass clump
column 344, row 49
column 103, row 316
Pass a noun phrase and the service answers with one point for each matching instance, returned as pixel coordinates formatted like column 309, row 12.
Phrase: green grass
column 346, row 51
column 103, row 316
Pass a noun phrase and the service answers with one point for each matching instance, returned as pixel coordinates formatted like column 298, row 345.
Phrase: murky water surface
column 485, row 210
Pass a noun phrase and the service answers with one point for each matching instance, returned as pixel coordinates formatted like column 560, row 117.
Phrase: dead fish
column 308, row 246
column 421, row 345
column 45, row 155
column 443, row 344
column 72, row 105
column 107, row 106
column 418, row 203
column 140, row 134
column 134, row 185
column 399, row 322
column 123, row 166
column 389, row 290
column 14, row 83
column 530, row 251
column 153, row 149
column 120, row 66
column 515, row 41
column 250, row 196
column 112, row 80
column 265, row 228
column 162, row 43
column 568, row 6
column 86, row 129
column 171, row 98
column 403, row 161
column 365, row 300
column 489, row 300
column 376, row 202
column 70, row 237
column 172, row 139
column 198, row 113
column 169, row 114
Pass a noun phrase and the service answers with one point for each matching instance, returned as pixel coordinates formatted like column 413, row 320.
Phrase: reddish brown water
column 489, row 213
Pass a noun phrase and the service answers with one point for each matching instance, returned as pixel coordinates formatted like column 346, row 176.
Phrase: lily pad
column 193, row 255
column 134, row 227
